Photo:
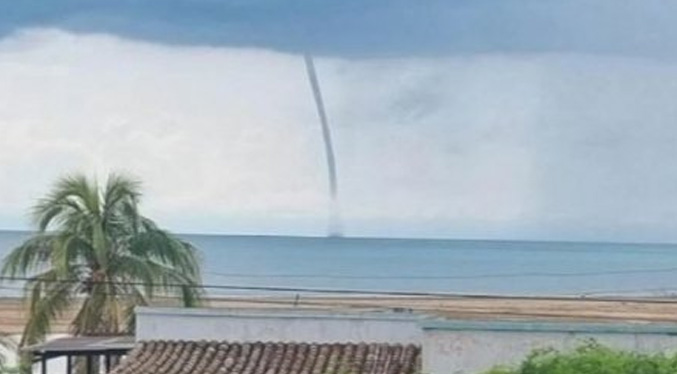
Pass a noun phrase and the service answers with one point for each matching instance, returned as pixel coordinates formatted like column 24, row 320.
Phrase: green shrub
column 9, row 370
column 592, row 358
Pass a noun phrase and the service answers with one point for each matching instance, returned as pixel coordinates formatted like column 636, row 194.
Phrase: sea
column 279, row 265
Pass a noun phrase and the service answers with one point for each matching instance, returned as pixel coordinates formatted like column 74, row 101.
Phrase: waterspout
column 335, row 225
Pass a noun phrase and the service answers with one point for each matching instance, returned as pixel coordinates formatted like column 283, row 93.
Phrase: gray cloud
column 557, row 146
column 393, row 28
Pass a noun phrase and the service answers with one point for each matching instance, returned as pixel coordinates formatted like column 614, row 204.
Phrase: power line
column 432, row 277
column 240, row 287
column 255, row 300
column 663, row 290
column 435, row 295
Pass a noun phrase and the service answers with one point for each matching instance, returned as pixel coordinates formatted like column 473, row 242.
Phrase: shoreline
column 489, row 307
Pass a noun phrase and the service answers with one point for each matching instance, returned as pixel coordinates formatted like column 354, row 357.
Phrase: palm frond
column 101, row 312
column 29, row 257
column 164, row 248
column 47, row 300
column 72, row 199
column 120, row 191
column 130, row 269
column 69, row 250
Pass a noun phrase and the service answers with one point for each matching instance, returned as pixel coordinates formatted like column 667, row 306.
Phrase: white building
column 448, row 346
column 258, row 341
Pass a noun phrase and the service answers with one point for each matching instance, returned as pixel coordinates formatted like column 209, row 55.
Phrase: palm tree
column 94, row 250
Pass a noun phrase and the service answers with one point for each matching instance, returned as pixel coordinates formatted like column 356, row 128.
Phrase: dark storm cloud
column 371, row 28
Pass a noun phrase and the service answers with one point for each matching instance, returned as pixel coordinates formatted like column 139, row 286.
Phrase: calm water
column 467, row 266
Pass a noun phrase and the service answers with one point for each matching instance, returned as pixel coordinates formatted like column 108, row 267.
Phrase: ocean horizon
column 463, row 266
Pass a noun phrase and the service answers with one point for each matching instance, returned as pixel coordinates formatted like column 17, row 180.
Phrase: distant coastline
column 403, row 238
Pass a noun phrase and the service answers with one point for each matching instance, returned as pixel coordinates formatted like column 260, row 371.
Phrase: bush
column 592, row 358
column 9, row 370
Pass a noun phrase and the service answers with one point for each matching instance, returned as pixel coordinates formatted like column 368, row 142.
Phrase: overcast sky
column 464, row 119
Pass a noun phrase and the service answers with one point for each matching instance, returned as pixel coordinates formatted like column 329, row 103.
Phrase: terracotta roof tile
column 191, row 357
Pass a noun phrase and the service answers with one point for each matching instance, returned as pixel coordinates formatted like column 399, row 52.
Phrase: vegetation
column 592, row 358
column 94, row 251
column 6, row 344
column 3, row 361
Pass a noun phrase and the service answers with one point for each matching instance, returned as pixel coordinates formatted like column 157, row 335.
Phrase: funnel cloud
column 335, row 225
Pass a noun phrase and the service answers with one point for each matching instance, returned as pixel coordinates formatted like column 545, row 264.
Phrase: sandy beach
column 12, row 315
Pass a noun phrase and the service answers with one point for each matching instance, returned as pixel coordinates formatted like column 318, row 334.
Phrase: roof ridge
column 215, row 341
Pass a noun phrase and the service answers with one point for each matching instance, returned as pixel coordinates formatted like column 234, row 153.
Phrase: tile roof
column 183, row 357
column 84, row 344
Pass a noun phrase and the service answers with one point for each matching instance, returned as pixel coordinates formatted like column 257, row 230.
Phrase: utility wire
column 476, row 276
column 435, row 295
column 239, row 287
column 663, row 290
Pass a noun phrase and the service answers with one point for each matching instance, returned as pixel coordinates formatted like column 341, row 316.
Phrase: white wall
column 285, row 325
column 473, row 347
column 449, row 347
